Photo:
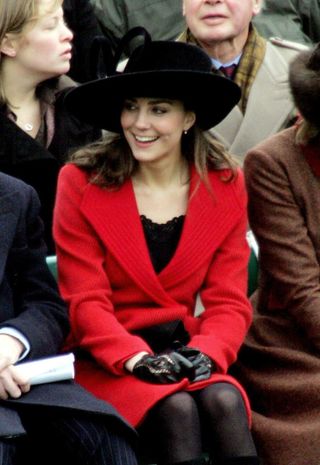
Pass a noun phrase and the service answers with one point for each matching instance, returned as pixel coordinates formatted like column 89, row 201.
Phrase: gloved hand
column 203, row 365
column 166, row 368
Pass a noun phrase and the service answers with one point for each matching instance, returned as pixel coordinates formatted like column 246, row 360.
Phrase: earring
column 185, row 132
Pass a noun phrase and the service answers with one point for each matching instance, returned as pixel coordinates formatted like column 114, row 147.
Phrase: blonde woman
column 36, row 133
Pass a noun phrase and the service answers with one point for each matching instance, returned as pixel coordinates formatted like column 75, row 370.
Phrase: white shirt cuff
column 15, row 333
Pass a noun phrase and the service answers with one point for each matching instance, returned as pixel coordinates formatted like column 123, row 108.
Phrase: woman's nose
column 142, row 119
column 66, row 34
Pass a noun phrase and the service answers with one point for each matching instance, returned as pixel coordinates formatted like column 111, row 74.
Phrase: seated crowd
column 143, row 184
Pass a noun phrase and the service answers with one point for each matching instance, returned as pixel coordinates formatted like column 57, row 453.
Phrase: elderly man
column 223, row 28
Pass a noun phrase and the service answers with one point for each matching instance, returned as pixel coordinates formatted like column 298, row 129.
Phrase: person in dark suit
column 36, row 132
column 56, row 419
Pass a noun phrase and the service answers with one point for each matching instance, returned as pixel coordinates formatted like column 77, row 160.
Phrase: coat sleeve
column 112, row 16
column 227, row 310
column 84, row 282
column 40, row 314
column 288, row 260
column 282, row 19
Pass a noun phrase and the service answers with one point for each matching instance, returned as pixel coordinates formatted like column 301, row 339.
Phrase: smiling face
column 43, row 49
column 220, row 20
column 153, row 127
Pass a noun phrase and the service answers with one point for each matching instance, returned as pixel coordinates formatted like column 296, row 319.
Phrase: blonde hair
column 110, row 161
column 15, row 16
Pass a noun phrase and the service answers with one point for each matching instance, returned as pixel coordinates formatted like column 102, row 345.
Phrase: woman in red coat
column 146, row 220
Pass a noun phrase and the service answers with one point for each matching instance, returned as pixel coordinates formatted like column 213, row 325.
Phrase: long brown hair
column 110, row 161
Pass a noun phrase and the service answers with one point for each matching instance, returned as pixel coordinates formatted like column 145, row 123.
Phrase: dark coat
column 81, row 19
column 279, row 363
column 22, row 157
column 162, row 18
column 297, row 20
column 30, row 303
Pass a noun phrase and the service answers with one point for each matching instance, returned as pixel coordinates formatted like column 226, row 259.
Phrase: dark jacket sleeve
column 296, row 20
column 39, row 312
column 289, row 267
column 281, row 19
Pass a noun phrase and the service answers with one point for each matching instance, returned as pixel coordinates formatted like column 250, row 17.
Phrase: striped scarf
column 251, row 60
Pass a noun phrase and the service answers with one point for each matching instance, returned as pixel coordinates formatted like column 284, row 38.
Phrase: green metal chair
column 52, row 264
column 253, row 267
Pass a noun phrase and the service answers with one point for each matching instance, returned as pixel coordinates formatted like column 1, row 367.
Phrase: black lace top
column 162, row 239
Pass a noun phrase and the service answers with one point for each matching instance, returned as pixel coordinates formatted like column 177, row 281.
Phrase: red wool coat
column 107, row 278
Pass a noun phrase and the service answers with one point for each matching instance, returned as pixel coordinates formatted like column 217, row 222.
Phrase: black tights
column 182, row 425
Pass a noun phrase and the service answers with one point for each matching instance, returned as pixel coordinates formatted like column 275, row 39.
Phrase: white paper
column 48, row 370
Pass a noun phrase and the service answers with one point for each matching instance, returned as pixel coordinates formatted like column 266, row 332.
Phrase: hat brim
column 100, row 102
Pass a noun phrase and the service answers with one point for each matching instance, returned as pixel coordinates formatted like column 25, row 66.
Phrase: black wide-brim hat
column 159, row 69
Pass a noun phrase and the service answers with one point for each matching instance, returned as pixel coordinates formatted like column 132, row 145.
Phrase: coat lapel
column 226, row 131
column 210, row 217
column 115, row 217
column 268, row 110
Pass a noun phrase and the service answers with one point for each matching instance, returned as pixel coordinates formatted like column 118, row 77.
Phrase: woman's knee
column 223, row 399
column 178, row 407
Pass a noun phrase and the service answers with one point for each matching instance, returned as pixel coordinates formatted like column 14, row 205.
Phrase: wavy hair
column 110, row 161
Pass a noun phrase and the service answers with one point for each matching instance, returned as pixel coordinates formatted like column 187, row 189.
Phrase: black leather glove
column 165, row 368
column 203, row 365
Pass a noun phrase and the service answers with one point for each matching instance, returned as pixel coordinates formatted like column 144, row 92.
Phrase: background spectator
column 279, row 362
column 36, row 131
column 224, row 30
column 80, row 18
column 162, row 18
column 297, row 20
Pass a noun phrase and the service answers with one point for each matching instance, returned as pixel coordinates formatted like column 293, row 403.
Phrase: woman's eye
column 129, row 106
column 159, row 110
column 55, row 22
column 50, row 26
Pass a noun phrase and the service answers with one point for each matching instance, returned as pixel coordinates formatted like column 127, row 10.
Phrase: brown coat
column 279, row 364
